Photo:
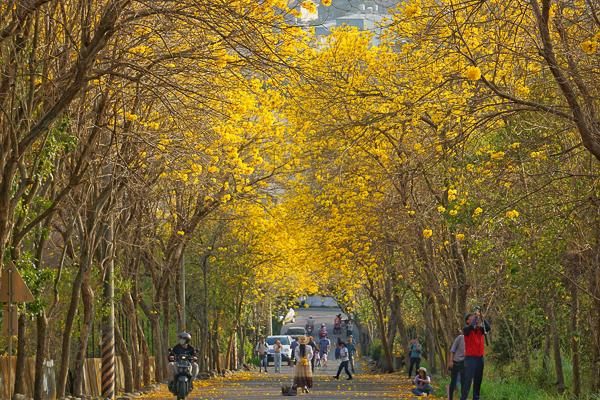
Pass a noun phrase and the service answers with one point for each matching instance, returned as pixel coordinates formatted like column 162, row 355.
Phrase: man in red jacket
column 474, row 351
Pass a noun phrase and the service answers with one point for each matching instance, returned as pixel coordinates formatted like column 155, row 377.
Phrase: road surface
column 254, row 385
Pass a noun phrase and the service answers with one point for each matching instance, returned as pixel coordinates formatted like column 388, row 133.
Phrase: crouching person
column 422, row 383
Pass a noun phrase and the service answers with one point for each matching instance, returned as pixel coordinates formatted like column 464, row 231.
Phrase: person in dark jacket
column 180, row 349
column 474, row 350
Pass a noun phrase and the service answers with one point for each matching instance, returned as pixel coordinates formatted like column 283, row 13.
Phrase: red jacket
column 474, row 346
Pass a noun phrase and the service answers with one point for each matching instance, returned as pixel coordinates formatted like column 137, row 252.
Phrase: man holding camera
column 474, row 335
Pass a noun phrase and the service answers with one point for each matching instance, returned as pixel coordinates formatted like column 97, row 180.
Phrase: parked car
column 286, row 353
column 296, row 331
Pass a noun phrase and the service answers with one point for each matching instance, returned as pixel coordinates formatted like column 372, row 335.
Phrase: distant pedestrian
column 457, row 365
column 324, row 348
column 303, row 374
column 415, row 356
column 293, row 348
column 352, row 353
column 344, row 356
column 262, row 348
column 337, row 348
column 474, row 351
column 422, row 383
column 313, row 346
column 277, row 347
column 317, row 359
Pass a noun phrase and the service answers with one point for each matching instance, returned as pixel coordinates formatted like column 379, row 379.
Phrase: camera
column 478, row 308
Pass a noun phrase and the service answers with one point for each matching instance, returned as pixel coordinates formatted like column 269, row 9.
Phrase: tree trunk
column 87, row 296
column 389, row 367
column 595, row 378
column 125, row 360
column 575, row 339
column 216, row 347
column 547, row 349
column 42, row 329
column 166, row 304
column 429, row 332
column 20, row 367
column 146, row 354
column 158, row 353
column 560, row 379
column 61, row 382
column 242, row 346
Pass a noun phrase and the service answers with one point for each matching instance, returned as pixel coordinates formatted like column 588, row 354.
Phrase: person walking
column 352, row 353
column 474, row 351
column 415, row 355
column 277, row 347
column 337, row 348
column 303, row 374
column 324, row 347
column 422, row 383
column 262, row 348
column 293, row 348
column 457, row 365
column 313, row 346
column 344, row 356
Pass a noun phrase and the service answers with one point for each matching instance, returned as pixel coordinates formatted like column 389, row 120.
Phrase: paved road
column 253, row 385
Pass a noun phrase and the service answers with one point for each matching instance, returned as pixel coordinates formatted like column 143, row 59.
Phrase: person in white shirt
column 344, row 356
column 262, row 348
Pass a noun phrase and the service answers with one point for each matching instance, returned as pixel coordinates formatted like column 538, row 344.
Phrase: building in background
column 364, row 19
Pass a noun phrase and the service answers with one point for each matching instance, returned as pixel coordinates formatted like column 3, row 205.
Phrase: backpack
column 289, row 390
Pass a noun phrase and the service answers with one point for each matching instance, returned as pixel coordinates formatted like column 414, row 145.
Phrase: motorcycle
column 322, row 331
column 337, row 326
column 182, row 384
column 310, row 326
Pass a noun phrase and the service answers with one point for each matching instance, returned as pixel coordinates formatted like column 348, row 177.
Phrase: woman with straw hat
column 303, row 354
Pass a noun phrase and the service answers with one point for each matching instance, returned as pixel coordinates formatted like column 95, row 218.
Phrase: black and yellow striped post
column 108, row 323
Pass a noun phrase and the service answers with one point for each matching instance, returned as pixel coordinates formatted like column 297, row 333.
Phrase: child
column 317, row 359
column 423, row 383
column 324, row 359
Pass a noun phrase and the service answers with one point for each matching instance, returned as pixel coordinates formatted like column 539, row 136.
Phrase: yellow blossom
column 473, row 73
column 589, row 46
column 427, row 233
column 512, row 214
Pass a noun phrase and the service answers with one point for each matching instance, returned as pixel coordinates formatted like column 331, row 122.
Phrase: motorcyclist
column 182, row 348
column 323, row 329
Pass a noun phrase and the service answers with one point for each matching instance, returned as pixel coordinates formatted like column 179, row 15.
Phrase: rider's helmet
column 186, row 336
column 323, row 324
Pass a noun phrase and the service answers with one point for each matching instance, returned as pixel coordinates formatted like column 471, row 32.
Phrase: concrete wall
column 91, row 377
column 318, row 301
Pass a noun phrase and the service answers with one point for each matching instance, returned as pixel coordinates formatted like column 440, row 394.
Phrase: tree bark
column 87, row 296
column 575, row 339
column 42, row 330
column 125, row 360
column 560, row 379
column 20, row 367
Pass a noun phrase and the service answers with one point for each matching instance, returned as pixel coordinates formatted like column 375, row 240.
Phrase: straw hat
column 303, row 339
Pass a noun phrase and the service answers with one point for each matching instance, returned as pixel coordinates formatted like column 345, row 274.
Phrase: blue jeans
column 473, row 372
column 277, row 361
column 428, row 389
column 263, row 361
